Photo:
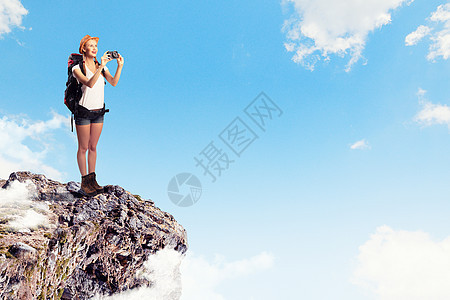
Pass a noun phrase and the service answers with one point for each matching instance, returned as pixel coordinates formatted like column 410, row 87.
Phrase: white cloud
column 163, row 269
column 438, row 30
column 18, row 211
column 15, row 155
column 361, row 144
column 414, row 37
column 319, row 28
column 200, row 279
column 430, row 113
column 421, row 94
column 433, row 114
column 11, row 14
column 397, row 265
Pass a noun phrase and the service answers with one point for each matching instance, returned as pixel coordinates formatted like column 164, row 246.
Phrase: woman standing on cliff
column 91, row 109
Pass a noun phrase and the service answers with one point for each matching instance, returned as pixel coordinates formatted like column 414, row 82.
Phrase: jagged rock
column 23, row 251
column 92, row 245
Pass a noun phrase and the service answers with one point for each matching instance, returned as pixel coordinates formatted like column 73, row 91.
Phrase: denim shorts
column 87, row 121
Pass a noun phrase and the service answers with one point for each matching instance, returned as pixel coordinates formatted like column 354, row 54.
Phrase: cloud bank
column 320, row 28
column 16, row 136
column 404, row 265
column 200, row 279
column 438, row 31
column 11, row 14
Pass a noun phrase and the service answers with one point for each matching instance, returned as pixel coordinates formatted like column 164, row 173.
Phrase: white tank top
column 92, row 98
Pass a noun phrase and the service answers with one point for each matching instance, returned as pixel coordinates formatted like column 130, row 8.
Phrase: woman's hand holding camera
column 105, row 58
column 120, row 60
column 110, row 55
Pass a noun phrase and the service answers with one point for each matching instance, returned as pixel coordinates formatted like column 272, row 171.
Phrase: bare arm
column 84, row 80
column 90, row 82
column 114, row 80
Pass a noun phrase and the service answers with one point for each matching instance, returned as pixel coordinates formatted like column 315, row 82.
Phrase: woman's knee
column 92, row 147
column 82, row 148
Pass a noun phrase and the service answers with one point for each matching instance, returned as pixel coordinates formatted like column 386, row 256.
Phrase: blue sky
column 362, row 142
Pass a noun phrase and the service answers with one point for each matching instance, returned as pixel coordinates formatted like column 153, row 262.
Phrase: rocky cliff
column 86, row 246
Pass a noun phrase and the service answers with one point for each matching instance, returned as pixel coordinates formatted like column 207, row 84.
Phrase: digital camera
column 113, row 54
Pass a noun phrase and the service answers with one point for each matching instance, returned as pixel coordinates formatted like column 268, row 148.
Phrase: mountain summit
column 58, row 244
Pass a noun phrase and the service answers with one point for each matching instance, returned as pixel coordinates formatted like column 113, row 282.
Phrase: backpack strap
column 83, row 70
column 82, row 67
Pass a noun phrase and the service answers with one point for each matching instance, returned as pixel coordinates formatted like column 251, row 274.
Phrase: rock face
column 91, row 245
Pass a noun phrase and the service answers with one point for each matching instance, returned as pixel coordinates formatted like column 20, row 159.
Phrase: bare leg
column 95, row 131
column 83, row 135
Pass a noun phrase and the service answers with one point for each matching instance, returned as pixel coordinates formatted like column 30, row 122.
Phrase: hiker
column 91, row 108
